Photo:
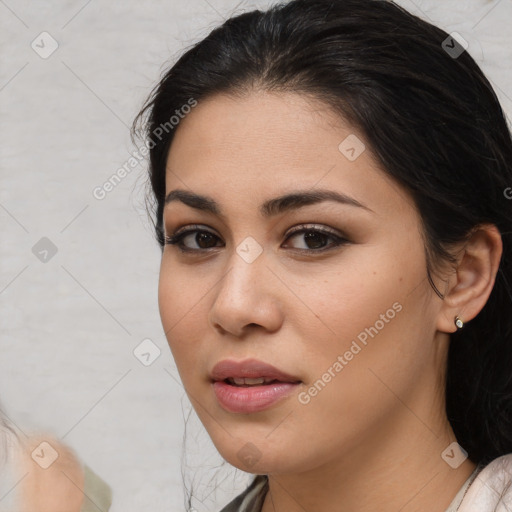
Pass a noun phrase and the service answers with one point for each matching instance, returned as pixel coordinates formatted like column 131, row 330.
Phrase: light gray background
column 69, row 326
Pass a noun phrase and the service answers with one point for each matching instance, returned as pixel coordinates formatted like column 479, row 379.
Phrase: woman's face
column 334, row 294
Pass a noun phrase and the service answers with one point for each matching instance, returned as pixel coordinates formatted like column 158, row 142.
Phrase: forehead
column 264, row 144
column 282, row 123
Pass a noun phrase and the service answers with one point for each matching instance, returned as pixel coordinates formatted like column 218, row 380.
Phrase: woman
column 329, row 184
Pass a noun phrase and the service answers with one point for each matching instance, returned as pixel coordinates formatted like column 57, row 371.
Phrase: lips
column 250, row 386
column 251, row 371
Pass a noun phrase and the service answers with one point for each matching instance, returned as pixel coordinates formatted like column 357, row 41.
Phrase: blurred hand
column 54, row 478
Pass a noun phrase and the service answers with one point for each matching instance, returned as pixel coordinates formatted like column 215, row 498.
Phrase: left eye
column 316, row 240
column 313, row 239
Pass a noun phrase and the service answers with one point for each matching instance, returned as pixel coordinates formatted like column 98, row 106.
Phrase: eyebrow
column 271, row 207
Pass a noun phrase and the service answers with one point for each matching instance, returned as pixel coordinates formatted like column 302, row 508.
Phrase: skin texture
column 372, row 438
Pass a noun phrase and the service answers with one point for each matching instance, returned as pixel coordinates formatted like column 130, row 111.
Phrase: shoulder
column 251, row 500
column 491, row 487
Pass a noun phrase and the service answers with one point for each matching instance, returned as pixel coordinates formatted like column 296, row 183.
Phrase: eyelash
column 177, row 238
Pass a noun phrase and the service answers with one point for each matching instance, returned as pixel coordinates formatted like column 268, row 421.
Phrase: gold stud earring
column 459, row 323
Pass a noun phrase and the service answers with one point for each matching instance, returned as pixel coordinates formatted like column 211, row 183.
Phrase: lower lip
column 251, row 399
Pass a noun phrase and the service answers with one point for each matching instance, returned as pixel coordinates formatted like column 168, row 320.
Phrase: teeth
column 251, row 382
column 245, row 381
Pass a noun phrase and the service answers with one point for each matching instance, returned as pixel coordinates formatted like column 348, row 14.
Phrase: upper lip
column 250, row 368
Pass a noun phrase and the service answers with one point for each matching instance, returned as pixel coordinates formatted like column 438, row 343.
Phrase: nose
column 247, row 297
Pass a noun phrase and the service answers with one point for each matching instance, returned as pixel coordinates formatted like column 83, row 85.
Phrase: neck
column 393, row 472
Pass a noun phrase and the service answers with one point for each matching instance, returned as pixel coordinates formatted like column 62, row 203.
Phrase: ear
column 469, row 287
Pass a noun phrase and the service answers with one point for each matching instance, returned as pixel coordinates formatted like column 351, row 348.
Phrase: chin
column 259, row 456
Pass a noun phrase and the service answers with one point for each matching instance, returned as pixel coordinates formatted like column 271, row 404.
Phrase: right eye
column 185, row 238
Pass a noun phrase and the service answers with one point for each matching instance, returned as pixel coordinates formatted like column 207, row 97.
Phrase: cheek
column 184, row 299
column 372, row 315
column 181, row 309
column 181, row 295
column 358, row 297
